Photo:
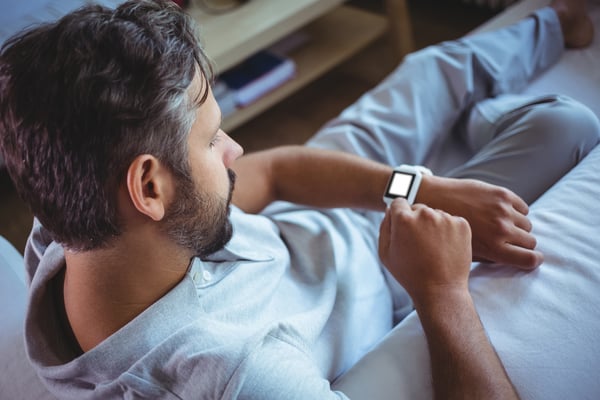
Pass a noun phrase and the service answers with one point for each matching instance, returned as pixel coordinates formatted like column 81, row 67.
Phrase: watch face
column 400, row 184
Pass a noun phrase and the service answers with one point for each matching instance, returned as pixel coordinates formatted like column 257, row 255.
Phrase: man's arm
column 304, row 175
column 463, row 363
column 324, row 178
column 429, row 252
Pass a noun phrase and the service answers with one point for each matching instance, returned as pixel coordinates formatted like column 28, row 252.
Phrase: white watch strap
column 405, row 182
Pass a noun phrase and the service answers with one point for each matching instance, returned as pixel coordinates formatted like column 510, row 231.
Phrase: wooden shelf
column 334, row 37
column 336, row 32
column 232, row 37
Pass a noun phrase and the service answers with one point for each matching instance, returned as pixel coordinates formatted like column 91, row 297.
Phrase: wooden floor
column 298, row 117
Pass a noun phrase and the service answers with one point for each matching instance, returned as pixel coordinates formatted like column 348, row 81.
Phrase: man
column 145, row 282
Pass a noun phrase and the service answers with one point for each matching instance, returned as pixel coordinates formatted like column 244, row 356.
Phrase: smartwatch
column 405, row 182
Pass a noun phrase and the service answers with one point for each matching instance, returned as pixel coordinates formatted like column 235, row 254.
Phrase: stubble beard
column 199, row 221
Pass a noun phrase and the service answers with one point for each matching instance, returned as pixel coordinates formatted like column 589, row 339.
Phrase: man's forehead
column 199, row 88
column 208, row 116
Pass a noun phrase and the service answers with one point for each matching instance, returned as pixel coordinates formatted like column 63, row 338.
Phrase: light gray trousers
column 453, row 108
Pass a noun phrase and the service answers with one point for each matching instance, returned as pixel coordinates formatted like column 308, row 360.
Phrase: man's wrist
column 405, row 182
column 435, row 190
column 427, row 189
column 441, row 300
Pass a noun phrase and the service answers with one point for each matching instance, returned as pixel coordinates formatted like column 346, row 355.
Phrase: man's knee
column 566, row 125
column 449, row 54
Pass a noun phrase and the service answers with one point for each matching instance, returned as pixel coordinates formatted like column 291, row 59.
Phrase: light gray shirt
column 295, row 298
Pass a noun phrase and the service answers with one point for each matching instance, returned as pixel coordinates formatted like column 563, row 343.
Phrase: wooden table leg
column 400, row 27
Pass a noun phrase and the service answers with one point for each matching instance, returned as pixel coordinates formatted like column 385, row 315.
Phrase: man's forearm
column 304, row 175
column 464, row 363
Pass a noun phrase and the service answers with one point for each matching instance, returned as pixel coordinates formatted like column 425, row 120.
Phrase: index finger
column 401, row 204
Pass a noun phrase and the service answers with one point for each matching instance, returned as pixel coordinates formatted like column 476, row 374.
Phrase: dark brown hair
column 80, row 98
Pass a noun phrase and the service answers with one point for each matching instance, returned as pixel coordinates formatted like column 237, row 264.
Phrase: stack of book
column 255, row 77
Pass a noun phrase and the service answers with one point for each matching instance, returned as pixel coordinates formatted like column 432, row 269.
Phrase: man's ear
column 149, row 185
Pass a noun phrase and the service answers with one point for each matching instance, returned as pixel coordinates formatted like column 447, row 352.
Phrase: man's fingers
column 519, row 249
column 520, row 205
column 523, row 239
column 521, row 210
column 522, row 222
column 520, row 257
column 400, row 204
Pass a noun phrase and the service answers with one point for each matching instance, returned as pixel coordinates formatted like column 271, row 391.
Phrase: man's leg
column 526, row 145
column 419, row 104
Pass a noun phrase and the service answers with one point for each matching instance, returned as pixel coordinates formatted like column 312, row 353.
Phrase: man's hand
column 497, row 216
column 427, row 250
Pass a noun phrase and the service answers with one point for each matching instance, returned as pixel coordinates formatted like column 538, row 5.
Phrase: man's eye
column 214, row 141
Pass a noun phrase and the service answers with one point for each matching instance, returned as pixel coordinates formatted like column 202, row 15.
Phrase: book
column 257, row 76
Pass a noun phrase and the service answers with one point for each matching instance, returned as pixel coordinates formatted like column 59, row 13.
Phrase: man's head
column 84, row 97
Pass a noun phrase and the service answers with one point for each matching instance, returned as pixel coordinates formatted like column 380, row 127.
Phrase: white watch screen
column 400, row 184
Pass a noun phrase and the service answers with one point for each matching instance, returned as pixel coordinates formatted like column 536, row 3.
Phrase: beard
column 199, row 221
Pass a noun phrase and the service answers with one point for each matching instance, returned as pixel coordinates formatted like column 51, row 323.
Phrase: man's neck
column 105, row 289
